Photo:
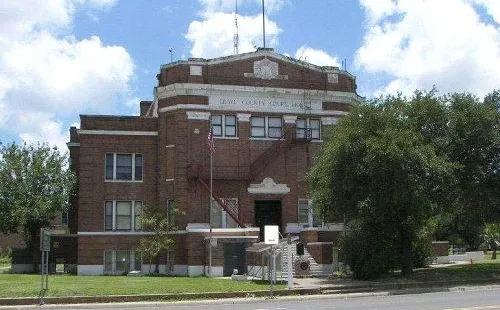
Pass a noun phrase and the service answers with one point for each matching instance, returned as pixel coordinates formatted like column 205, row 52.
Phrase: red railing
column 232, row 213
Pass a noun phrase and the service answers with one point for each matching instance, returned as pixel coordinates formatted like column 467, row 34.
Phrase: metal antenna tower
column 263, row 24
column 236, row 38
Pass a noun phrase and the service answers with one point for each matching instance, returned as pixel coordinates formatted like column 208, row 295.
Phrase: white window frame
column 310, row 213
column 225, row 218
column 266, row 127
column 224, row 126
column 133, row 216
column 308, row 125
column 114, row 179
column 132, row 255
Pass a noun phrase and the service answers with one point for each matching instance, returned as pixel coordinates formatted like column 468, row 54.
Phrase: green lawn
column 16, row 285
column 480, row 270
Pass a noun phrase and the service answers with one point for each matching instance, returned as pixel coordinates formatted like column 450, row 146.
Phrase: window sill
column 227, row 138
column 123, row 181
column 264, row 139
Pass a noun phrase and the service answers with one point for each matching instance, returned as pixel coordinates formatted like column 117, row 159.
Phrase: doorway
column 267, row 212
column 234, row 258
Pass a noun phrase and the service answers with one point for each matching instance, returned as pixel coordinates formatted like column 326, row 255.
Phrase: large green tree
column 384, row 178
column 35, row 187
column 465, row 130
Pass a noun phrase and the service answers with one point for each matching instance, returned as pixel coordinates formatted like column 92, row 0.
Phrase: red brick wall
column 440, row 248
column 93, row 190
column 322, row 253
column 136, row 123
column 232, row 73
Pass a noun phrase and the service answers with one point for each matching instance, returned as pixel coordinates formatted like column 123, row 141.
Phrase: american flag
column 210, row 141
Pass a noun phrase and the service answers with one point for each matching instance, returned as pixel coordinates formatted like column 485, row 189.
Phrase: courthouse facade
column 268, row 114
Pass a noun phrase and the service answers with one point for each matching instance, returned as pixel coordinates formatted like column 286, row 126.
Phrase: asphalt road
column 471, row 299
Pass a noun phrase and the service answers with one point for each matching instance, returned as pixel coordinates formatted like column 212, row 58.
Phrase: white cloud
column 425, row 43
column 48, row 75
column 316, row 56
column 213, row 37
column 376, row 10
column 40, row 126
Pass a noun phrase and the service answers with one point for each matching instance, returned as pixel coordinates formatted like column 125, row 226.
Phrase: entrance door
column 267, row 212
column 234, row 258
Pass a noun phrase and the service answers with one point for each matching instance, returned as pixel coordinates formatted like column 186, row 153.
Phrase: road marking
column 475, row 308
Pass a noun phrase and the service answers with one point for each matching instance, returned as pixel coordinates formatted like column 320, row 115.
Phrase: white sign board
column 271, row 234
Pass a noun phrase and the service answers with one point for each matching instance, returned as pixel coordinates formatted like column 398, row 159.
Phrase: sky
column 63, row 58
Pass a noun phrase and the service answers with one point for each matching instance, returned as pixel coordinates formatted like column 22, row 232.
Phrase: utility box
column 300, row 249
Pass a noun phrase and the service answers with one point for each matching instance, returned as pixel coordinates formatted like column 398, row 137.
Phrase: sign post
column 271, row 237
column 289, row 262
column 44, row 265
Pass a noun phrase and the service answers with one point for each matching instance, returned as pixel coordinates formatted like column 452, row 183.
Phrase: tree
column 35, row 186
column 381, row 175
column 491, row 237
column 160, row 224
column 466, row 131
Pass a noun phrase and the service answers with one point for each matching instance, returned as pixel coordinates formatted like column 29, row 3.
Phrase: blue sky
column 71, row 57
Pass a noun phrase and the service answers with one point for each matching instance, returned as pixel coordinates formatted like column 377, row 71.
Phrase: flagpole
column 211, row 203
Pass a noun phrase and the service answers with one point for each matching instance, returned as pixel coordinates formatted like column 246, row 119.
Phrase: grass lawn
column 23, row 285
column 487, row 269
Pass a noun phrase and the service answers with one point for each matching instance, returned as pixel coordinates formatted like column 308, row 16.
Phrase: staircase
column 280, row 145
column 231, row 212
column 315, row 269
column 200, row 172
column 282, row 259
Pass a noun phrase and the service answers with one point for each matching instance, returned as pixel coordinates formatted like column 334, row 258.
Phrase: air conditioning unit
column 302, row 267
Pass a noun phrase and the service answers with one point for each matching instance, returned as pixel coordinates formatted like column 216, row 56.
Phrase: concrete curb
column 393, row 288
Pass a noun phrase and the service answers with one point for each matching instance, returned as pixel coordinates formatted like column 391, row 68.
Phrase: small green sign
column 44, row 240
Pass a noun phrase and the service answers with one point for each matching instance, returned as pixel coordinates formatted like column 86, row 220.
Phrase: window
column 219, row 217
column 123, row 167
column 308, row 216
column 266, row 127
column 224, row 125
column 122, row 215
column 258, row 126
column 308, row 128
column 274, row 127
column 121, row 261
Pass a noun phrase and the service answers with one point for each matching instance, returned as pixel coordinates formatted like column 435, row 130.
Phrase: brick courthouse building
column 268, row 113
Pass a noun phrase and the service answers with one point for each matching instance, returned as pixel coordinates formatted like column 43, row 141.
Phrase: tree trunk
column 157, row 264
column 33, row 245
column 406, row 253
column 494, row 254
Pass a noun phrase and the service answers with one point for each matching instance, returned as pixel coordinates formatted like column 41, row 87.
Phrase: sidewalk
column 302, row 286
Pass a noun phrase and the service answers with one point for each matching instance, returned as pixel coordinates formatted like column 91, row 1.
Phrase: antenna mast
column 263, row 25
column 236, row 39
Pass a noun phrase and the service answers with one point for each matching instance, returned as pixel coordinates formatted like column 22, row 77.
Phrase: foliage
column 491, row 236
column 35, row 186
column 5, row 255
column 376, row 169
column 160, row 224
column 397, row 164
column 368, row 255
